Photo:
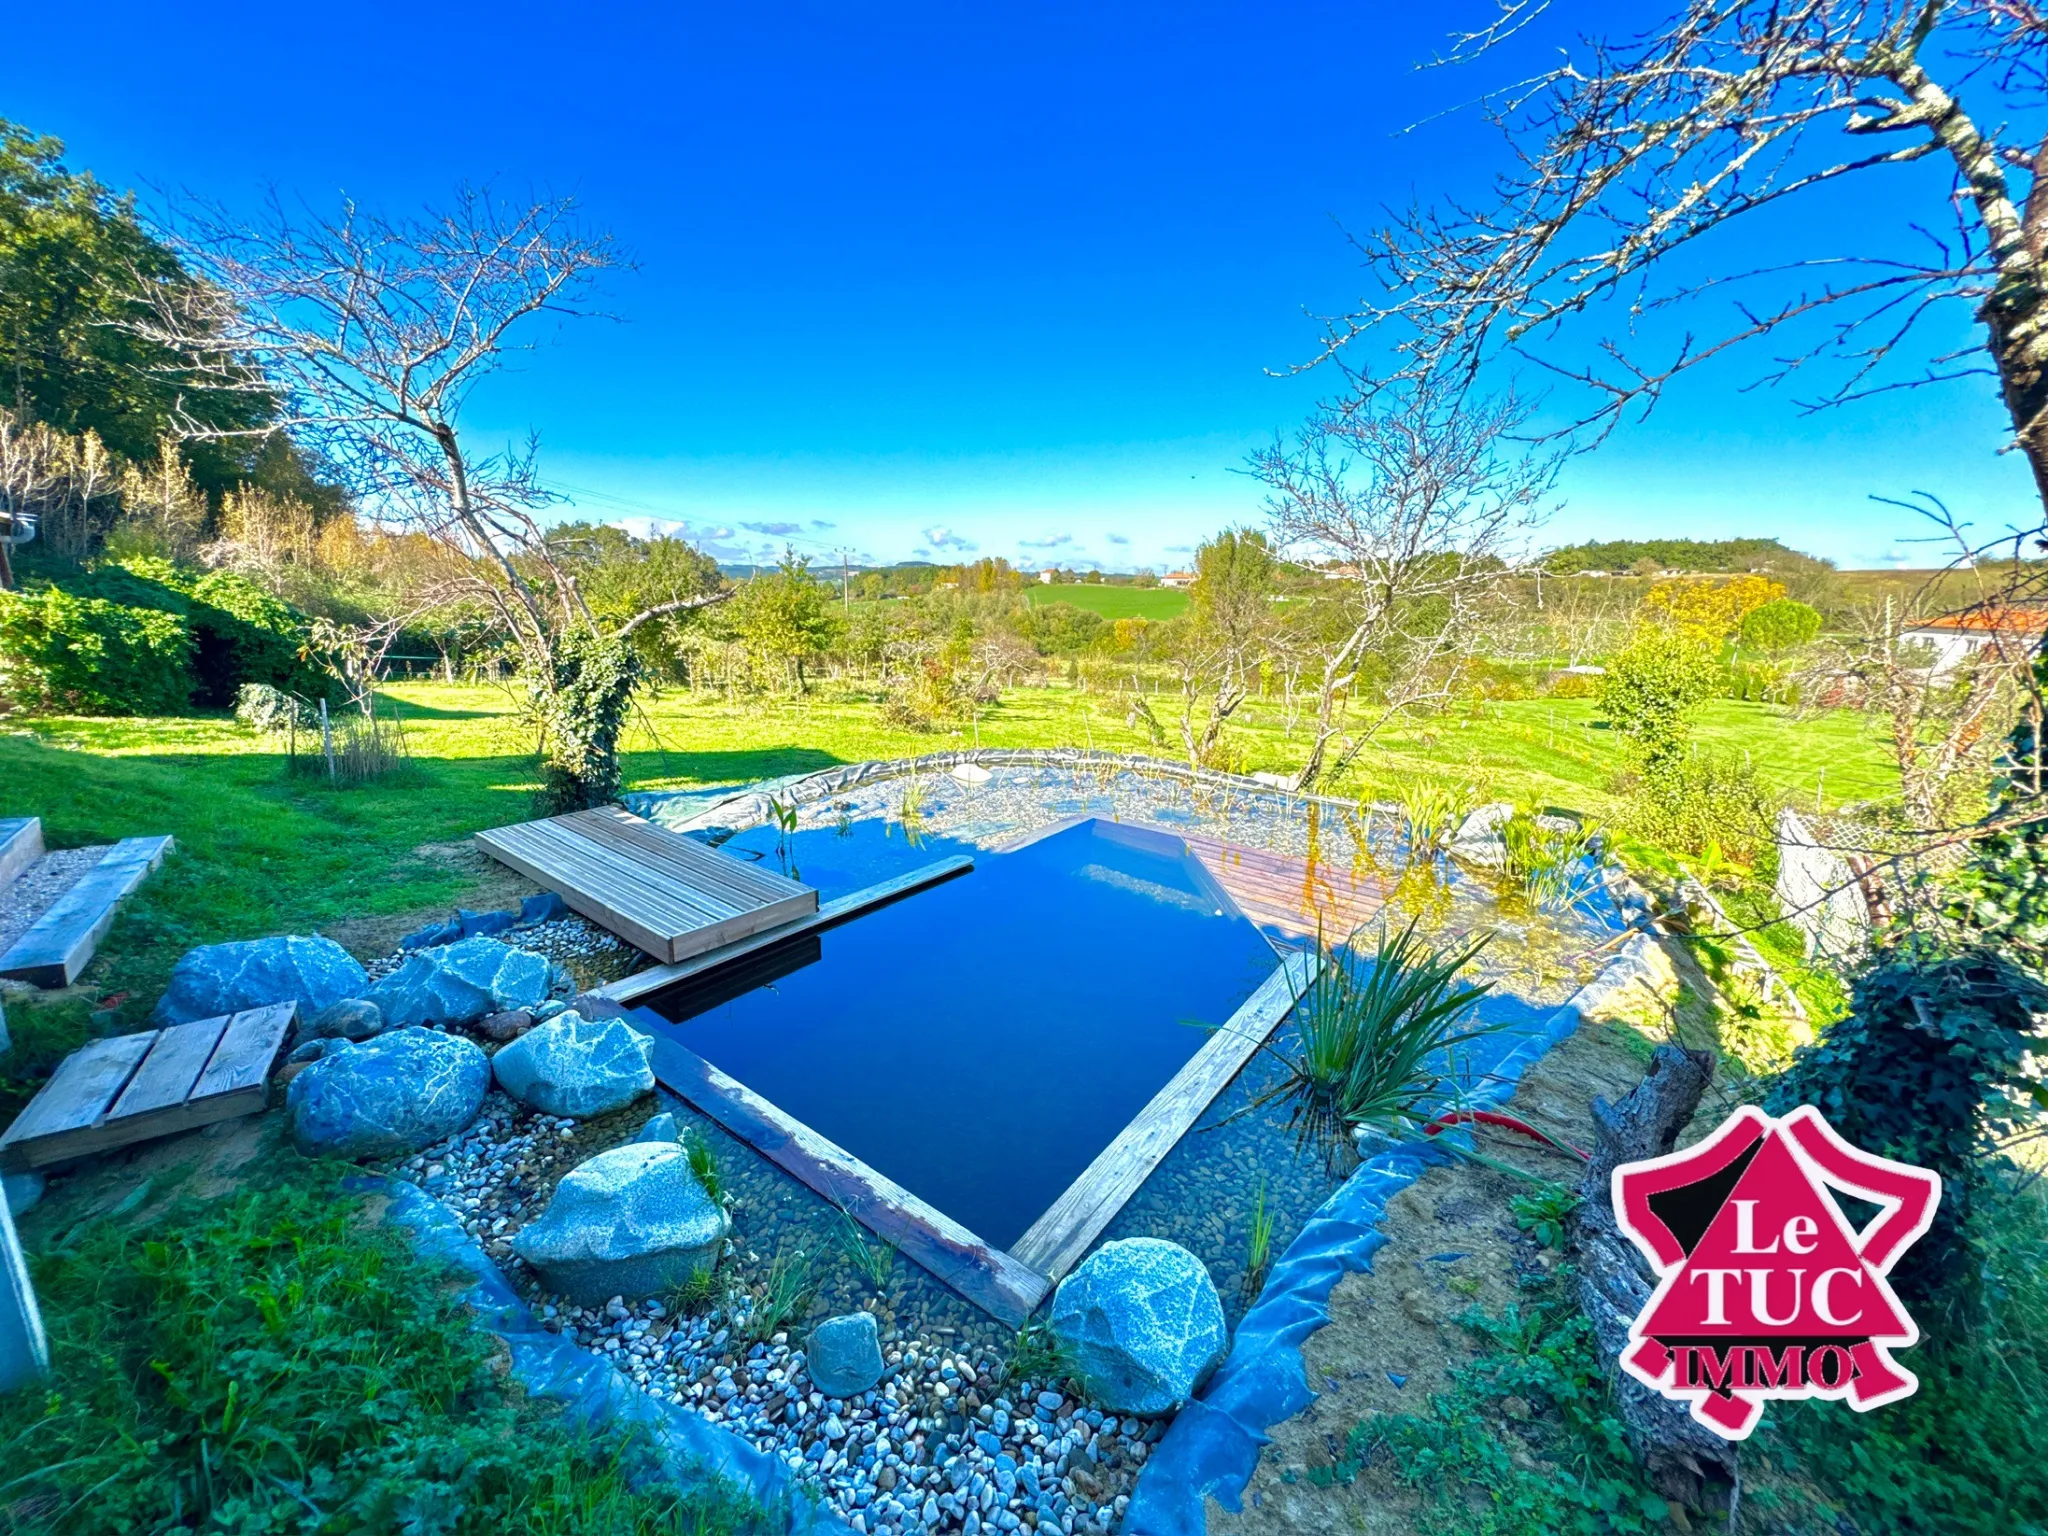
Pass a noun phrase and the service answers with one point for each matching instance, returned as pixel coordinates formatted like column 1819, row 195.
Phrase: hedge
column 61, row 652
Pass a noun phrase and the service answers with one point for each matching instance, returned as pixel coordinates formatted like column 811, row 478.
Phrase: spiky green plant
column 872, row 1258
column 704, row 1164
column 1372, row 1034
column 1259, row 1243
column 782, row 1297
column 1547, row 865
column 1433, row 811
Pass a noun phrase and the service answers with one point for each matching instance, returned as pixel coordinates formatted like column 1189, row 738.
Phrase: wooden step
column 131, row 1088
column 57, row 947
column 21, row 844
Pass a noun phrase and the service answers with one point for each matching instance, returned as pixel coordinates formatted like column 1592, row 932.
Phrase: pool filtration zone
column 981, row 1042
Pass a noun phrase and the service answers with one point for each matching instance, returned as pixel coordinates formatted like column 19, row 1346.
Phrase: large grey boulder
column 629, row 1222
column 388, row 1097
column 1478, row 839
column 576, row 1066
column 845, row 1357
column 353, row 1018
column 1142, row 1325
column 254, row 973
column 460, row 982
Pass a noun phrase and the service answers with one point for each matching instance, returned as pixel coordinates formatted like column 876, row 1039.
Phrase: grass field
column 261, row 853
column 1114, row 602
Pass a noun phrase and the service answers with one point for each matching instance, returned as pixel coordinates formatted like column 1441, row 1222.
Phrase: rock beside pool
column 457, row 983
column 629, row 1222
column 845, row 1357
column 254, row 973
column 1479, row 840
column 388, row 1097
column 661, row 1127
column 353, row 1018
column 576, row 1067
column 1142, row 1324
column 506, row 1026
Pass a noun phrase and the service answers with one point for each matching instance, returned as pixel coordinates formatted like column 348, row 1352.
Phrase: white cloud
column 778, row 530
column 1118, row 538
column 945, row 538
column 1050, row 541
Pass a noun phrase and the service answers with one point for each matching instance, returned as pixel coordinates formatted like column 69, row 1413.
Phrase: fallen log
column 1687, row 1462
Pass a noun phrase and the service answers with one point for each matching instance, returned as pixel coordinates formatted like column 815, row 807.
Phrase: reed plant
column 1372, row 1035
column 1259, row 1244
column 872, row 1258
column 1548, row 863
column 781, row 1297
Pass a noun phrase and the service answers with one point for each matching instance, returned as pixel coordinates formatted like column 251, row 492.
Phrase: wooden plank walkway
column 130, row 1088
column 21, row 844
column 1059, row 1239
column 657, row 977
column 57, row 947
column 665, row 894
column 990, row 1278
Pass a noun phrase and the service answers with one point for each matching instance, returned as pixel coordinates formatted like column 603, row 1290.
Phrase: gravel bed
column 945, row 1443
column 36, row 889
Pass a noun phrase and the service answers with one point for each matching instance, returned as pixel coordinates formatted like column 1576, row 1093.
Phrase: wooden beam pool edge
column 1056, row 1242
column 645, row 983
column 984, row 1274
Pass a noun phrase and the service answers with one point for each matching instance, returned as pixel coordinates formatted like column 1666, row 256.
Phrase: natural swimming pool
column 981, row 1042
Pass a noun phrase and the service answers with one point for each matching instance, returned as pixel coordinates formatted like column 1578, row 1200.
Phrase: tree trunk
column 1686, row 1461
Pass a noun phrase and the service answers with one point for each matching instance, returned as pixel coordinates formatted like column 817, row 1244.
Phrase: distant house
column 1958, row 636
column 1046, row 576
column 1177, row 579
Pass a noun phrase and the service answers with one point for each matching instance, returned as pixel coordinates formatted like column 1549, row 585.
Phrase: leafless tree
column 372, row 332
column 1225, row 637
column 1408, row 503
column 1638, row 164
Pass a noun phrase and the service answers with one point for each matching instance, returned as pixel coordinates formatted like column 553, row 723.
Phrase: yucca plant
column 1370, row 1033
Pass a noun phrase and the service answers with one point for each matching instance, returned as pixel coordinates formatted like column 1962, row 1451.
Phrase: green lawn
column 1114, row 602
column 260, row 853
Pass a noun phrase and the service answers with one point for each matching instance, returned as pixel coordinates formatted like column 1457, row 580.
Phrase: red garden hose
column 1504, row 1122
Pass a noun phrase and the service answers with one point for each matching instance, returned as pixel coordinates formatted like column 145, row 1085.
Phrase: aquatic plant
column 1548, row 861
column 704, row 1163
column 872, row 1257
column 1433, row 812
column 1371, row 1034
column 910, row 810
column 784, row 817
column 1259, row 1244
column 782, row 1297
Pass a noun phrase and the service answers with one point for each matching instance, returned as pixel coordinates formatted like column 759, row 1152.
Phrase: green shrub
column 83, row 655
column 281, row 1363
column 1783, row 624
column 1650, row 686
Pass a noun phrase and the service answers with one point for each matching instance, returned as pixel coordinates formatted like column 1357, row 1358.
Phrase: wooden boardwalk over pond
column 663, row 893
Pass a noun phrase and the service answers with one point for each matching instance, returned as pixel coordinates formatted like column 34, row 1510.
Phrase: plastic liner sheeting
column 689, row 1450
column 1213, row 1447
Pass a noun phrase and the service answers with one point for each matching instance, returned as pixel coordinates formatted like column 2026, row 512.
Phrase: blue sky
column 919, row 282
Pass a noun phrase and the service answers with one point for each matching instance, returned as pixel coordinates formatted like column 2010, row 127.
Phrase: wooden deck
column 665, row 894
column 1298, row 897
column 62, row 940
column 130, row 1088
column 656, row 978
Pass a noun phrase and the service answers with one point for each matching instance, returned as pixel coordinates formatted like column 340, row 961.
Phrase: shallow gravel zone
column 944, row 1443
column 32, row 892
column 592, row 955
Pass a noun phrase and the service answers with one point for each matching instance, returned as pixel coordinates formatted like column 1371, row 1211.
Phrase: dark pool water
column 981, row 1041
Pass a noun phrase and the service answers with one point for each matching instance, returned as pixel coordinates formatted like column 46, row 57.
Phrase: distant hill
column 1729, row 556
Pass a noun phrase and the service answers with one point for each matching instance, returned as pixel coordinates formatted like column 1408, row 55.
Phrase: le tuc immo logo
column 1765, row 1288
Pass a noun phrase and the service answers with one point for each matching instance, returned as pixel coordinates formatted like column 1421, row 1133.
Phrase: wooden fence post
column 326, row 739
